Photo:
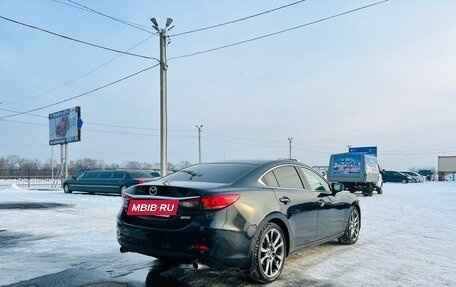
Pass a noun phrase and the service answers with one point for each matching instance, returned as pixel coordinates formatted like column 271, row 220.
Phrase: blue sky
column 383, row 76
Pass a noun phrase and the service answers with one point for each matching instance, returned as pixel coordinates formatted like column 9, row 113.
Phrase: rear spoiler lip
column 159, row 197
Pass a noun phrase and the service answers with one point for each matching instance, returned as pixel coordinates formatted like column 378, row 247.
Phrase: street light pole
column 289, row 140
column 199, row 142
column 163, row 94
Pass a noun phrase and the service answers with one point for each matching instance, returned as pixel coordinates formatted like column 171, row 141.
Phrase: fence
column 30, row 178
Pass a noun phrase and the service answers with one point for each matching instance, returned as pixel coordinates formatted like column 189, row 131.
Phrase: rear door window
column 288, row 177
column 91, row 174
column 105, row 175
column 269, row 179
column 118, row 175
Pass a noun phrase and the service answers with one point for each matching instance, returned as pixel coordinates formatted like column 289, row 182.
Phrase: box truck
column 357, row 171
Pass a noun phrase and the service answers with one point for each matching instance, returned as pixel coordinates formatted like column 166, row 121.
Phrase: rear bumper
column 217, row 248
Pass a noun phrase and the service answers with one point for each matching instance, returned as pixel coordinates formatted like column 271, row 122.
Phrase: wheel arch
column 282, row 222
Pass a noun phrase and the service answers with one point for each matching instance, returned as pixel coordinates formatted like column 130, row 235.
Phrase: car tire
column 268, row 257
column 404, row 181
column 66, row 188
column 380, row 189
column 352, row 229
column 368, row 191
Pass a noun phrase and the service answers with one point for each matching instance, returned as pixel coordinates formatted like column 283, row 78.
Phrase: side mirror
column 337, row 187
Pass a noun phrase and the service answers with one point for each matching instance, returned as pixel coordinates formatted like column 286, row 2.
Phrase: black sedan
column 248, row 215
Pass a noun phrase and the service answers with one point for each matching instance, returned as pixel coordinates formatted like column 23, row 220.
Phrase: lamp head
column 168, row 22
column 154, row 21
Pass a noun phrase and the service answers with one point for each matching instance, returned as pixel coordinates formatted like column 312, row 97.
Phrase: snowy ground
column 35, row 183
column 48, row 238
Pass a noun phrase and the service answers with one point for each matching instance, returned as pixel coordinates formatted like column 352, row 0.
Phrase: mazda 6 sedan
column 248, row 215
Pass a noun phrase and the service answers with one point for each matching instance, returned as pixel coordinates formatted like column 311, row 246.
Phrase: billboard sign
column 370, row 150
column 65, row 126
column 346, row 164
column 447, row 163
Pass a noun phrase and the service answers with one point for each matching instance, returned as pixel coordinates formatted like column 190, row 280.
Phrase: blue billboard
column 370, row 150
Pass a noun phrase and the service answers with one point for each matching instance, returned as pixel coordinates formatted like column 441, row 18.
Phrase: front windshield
column 213, row 172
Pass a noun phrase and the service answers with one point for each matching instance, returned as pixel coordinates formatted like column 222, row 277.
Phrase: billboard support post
column 62, row 160
column 52, row 162
column 66, row 160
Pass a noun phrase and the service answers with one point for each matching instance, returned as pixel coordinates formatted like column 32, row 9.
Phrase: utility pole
column 163, row 94
column 289, row 144
column 199, row 142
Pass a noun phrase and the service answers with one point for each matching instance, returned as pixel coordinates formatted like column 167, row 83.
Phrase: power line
column 238, row 138
column 88, row 9
column 279, row 32
column 77, row 78
column 136, row 134
column 411, row 153
column 83, row 94
column 76, row 40
column 237, row 20
column 13, row 111
column 241, row 143
column 98, row 124
column 21, row 122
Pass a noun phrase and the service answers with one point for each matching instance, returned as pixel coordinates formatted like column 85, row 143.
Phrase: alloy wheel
column 272, row 253
column 353, row 225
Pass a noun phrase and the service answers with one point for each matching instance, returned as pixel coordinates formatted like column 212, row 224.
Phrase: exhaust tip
column 197, row 265
column 123, row 249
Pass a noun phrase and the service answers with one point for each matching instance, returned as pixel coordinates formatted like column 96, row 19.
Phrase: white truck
column 357, row 172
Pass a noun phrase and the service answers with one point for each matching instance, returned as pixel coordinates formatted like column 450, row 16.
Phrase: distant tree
column 13, row 161
column 29, row 164
column 87, row 163
column 3, row 163
column 171, row 166
column 112, row 166
column 156, row 166
column 47, row 165
column 182, row 164
column 146, row 165
column 132, row 164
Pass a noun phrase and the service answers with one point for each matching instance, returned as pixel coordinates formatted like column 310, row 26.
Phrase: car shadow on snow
column 15, row 239
column 161, row 275
column 33, row 205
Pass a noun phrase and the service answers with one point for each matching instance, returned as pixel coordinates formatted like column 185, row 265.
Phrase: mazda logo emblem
column 153, row 190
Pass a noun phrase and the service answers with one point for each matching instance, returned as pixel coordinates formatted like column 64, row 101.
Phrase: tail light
column 141, row 181
column 125, row 200
column 210, row 202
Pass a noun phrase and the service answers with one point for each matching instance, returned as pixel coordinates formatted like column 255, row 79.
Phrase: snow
column 407, row 239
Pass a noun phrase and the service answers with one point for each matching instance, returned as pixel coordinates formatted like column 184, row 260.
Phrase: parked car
column 155, row 173
column 427, row 173
column 395, row 176
column 248, row 215
column 111, row 181
column 416, row 177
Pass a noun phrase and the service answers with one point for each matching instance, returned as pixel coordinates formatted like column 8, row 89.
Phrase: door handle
column 284, row 199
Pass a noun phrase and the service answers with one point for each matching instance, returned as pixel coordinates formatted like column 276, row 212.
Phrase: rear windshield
column 214, row 172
